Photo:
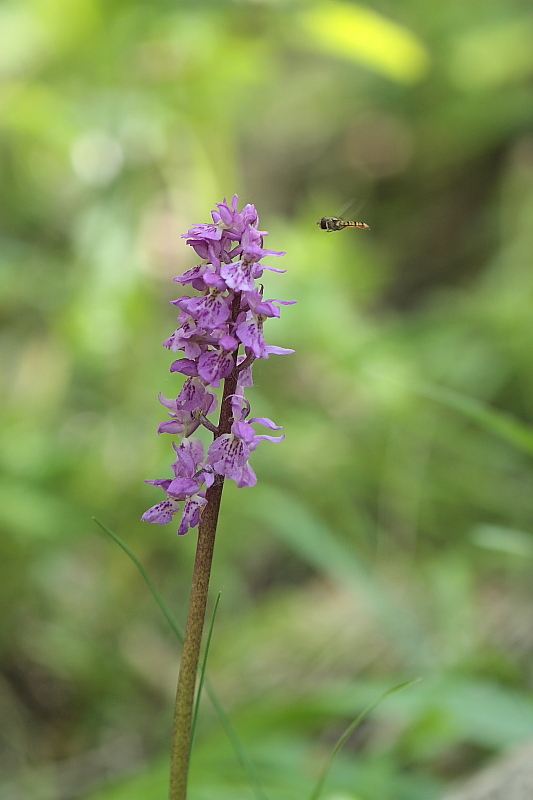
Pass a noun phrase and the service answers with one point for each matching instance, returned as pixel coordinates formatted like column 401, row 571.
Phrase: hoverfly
column 337, row 224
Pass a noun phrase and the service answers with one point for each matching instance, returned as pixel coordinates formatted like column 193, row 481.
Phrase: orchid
column 220, row 331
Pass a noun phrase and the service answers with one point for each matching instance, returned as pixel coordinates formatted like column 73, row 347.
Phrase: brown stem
column 181, row 736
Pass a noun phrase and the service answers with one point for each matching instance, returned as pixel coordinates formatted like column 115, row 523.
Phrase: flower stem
column 181, row 736
column 179, row 757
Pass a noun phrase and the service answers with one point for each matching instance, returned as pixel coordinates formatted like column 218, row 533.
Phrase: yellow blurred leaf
column 363, row 35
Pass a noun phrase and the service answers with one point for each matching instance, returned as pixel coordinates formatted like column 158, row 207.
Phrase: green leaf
column 318, row 544
column 503, row 540
column 494, row 421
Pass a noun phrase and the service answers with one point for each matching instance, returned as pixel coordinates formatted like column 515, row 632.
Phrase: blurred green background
column 390, row 535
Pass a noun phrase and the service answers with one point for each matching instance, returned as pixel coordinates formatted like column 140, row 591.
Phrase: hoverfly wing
column 349, row 205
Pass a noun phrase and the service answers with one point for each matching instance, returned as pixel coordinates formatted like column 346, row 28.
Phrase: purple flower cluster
column 220, row 332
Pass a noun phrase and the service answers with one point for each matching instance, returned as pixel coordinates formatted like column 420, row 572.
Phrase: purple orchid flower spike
column 220, row 331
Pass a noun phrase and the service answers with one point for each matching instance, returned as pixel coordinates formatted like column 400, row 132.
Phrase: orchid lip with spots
column 220, row 331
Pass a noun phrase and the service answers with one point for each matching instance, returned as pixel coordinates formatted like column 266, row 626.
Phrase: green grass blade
column 203, row 666
column 242, row 756
column 155, row 594
column 318, row 544
column 244, row 759
column 504, row 425
column 348, row 732
column 517, row 433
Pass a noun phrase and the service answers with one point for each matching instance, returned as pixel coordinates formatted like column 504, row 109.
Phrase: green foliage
column 319, row 788
column 390, row 535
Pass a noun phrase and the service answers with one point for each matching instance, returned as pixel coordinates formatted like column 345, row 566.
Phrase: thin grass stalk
column 203, row 667
column 242, row 756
